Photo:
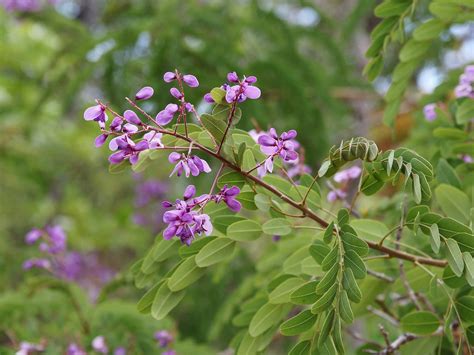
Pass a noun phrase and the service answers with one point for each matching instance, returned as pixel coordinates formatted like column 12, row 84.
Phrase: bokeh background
column 56, row 57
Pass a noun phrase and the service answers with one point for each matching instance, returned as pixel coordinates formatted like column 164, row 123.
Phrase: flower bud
column 144, row 93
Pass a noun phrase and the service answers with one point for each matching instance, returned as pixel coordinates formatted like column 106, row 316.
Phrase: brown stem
column 299, row 206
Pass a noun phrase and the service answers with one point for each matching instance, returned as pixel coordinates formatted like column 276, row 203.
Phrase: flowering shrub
column 314, row 276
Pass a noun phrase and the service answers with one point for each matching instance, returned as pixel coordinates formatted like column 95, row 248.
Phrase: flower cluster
column 465, row 86
column 273, row 146
column 25, row 5
column 29, row 348
column 238, row 90
column 53, row 241
column 164, row 340
column 343, row 177
column 85, row 270
column 186, row 219
column 189, row 164
column 99, row 345
column 166, row 115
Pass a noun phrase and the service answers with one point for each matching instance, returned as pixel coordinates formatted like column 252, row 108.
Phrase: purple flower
column 464, row 87
column 33, row 235
column 183, row 221
column 243, row 90
column 430, row 112
column 165, row 116
column 29, row 348
column 154, row 139
column 131, row 117
column 467, row 159
column 176, row 93
column 96, row 113
column 57, row 239
column 120, row 351
column 164, row 338
column 116, row 124
column 347, row 174
column 208, row 98
column 299, row 169
column 267, row 166
column 191, row 80
column 74, row 349
column 336, row 194
column 37, row 263
column 127, row 149
column 99, row 345
column 144, row 93
column 191, row 164
column 232, row 77
column 169, row 352
column 129, row 128
column 228, row 195
column 276, row 238
column 100, row 140
column 272, row 145
column 169, row 76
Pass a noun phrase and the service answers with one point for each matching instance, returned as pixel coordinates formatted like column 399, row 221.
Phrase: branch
column 405, row 338
column 393, row 253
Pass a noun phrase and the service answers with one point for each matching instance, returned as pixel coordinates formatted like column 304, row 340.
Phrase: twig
column 380, row 276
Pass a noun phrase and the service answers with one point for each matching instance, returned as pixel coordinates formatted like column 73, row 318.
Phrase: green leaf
column 230, row 179
column 305, row 294
column 373, row 68
column 465, row 305
column 369, row 229
column 453, row 202
column 328, row 279
column 446, row 174
column 416, row 187
column 325, row 300
column 349, row 284
column 244, row 231
column 337, row 336
column 324, row 168
column 186, row 273
column 215, row 126
column 413, row 50
column 370, row 185
column 435, row 238
column 343, row 217
column 298, row 324
column 429, row 30
column 144, row 304
column 328, row 233
column 449, row 133
column 455, row 257
column 352, row 242
column 263, row 202
column 265, row 318
column 422, row 323
column 247, row 199
column 281, row 294
column 326, row 328
column 390, row 8
column 465, row 111
column 345, row 310
column 249, row 345
column 469, row 264
column 319, row 251
column 218, row 95
column 186, row 251
column 353, row 261
column 214, row 252
column 277, row 226
column 302, row 348
column 164, row 249
column 221, row 223
column 331, row 259
column 165, row 300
